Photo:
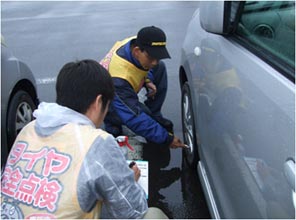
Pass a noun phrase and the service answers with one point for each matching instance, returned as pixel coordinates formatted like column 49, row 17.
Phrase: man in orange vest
column 62, row 166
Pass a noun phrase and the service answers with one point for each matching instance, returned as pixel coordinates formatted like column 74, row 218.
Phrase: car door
column 247, row 127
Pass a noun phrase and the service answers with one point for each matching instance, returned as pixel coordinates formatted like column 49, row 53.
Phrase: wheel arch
column 26, row 86
column 182, row 76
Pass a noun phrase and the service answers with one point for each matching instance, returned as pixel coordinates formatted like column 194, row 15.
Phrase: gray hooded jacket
column 104, row 175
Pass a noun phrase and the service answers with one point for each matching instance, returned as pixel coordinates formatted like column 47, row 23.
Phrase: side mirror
column 212, row 16
column 220, row 17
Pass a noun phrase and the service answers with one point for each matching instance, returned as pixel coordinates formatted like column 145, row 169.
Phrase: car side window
column 269, row 26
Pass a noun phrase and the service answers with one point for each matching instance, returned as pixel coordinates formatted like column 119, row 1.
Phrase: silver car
column 237, row 77
column 18, row 98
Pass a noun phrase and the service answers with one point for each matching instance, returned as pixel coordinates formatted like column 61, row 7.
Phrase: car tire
column 20, row 113
column 189, row 132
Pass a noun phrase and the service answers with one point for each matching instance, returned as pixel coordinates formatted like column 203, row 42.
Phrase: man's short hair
column 79, row 83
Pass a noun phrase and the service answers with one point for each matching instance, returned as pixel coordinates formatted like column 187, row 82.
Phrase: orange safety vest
column 40, row 177
column 121, row 68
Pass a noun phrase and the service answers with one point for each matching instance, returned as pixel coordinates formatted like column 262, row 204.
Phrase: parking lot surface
column 46, row 35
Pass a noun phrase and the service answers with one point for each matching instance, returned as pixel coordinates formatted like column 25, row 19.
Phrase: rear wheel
column 189, row 132
column 20, row 113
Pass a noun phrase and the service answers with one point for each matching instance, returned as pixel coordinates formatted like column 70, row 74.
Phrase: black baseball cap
column 153, row 41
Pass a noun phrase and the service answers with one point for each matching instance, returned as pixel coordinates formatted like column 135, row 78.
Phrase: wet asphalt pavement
column 173, row 186
column 46, row 35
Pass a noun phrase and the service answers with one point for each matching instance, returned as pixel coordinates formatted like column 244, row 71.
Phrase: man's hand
column 177, row 143
column 152, row 89
column 136, row 170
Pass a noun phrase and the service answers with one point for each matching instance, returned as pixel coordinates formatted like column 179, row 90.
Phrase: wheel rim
column 188, row 127
column 23, row 115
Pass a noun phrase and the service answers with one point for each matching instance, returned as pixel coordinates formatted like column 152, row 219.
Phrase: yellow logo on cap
column 158, row 44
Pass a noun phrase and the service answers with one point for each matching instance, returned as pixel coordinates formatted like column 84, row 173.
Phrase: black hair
column 79, row 83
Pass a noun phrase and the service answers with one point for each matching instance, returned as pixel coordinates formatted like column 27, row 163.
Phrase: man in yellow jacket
column 61, row 166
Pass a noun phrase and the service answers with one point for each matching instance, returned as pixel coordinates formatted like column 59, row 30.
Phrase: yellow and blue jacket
column 128, row 78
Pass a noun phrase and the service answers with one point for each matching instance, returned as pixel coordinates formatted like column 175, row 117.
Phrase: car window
column 269, row 26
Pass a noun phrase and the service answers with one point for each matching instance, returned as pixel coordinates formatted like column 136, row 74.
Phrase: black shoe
column 166, row 123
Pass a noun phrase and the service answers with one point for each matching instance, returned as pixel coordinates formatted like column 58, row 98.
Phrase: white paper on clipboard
column 144, row 178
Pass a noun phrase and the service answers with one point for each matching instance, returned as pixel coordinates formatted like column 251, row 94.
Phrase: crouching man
column 62, row 166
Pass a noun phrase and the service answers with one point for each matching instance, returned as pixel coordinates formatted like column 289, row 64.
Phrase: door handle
column 289, row 170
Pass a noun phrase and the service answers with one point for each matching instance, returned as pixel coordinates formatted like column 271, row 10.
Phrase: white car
column 237, row 77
